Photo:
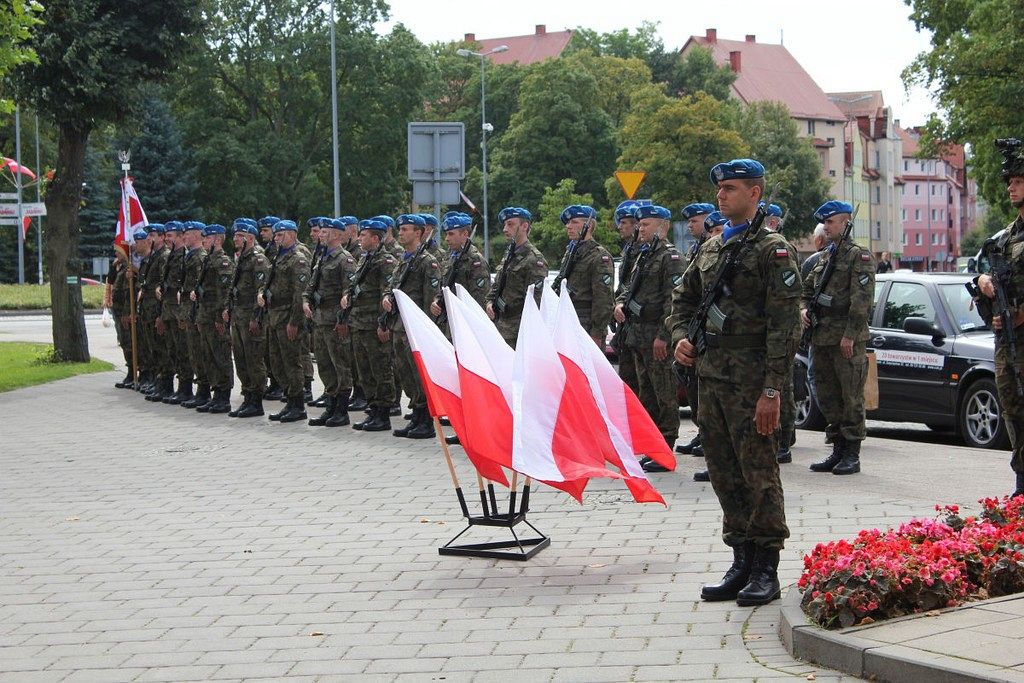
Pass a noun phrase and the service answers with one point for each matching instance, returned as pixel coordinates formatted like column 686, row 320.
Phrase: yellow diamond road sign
column 630, row 181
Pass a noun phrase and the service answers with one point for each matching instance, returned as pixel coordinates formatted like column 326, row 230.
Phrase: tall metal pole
column 483, row 145
column 39, row 198
column 17, row 188
column 928, row 215
column 334, row 118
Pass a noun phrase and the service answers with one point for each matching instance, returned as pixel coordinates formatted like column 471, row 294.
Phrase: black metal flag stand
column 520, row 549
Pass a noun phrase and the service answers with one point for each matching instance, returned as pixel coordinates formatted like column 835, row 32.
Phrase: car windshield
column 962, row 308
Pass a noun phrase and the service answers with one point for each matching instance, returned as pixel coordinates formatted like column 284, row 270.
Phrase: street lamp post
column 485, row 128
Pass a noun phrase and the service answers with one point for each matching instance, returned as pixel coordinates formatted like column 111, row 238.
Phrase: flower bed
column 923, row 565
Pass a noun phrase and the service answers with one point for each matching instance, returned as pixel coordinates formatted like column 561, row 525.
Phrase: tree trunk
column 60, row 245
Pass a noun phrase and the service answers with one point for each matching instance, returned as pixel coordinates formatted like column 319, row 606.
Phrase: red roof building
column 528, row 49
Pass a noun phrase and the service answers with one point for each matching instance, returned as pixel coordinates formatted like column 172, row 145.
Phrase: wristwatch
column 770, row 392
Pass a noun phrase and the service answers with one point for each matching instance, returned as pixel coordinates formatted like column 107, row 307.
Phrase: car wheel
column 980, row 418
column 808, row 414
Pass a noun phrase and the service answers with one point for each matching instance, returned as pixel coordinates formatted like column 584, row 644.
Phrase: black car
column 935, row 360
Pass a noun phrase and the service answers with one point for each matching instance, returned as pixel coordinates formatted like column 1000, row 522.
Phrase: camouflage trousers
column 177, row 347
column 217, row 356
column 375, row 366
column 508, row 327
column 249, row 351
column 333, row 359
column 741, row 463
column 840, row 386
column 1011, row 403
column 408, row 374
column 124, row 338
column 659, row 391
column 787, row 417
column 627, row 368
column 195, row 354
column 286, row 355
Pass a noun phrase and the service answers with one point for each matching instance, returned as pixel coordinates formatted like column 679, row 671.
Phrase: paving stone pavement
column 143, row 542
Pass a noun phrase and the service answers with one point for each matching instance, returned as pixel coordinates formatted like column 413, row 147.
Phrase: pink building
column 938, row 206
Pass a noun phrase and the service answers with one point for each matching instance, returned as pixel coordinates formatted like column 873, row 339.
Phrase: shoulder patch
column 865, row 257
column 433, row 264
column 476, row 263
column 781, row 252
column 676, row 279
column 260, row 276
column 350, row 259
column 607, row 279
column 540, row 263
column 303, row 277
column 789, row 278
column 863, row 279
column 674, row 257
column 434, row 282
column 606, row 258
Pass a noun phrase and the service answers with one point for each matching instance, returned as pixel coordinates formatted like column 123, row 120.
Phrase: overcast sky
column 844, row 45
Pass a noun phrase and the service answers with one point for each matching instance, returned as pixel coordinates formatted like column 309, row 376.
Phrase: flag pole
column 512, row 495
column 125, row 156
column 451, row 469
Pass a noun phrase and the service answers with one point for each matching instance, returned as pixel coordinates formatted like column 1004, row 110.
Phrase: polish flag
column 14, row 167
column 583, row 359
column 132, row 208
column 435, row 360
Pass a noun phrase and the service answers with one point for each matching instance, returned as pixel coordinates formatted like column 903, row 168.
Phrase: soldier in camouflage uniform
column 248, row 337
column 155, row 330
column 1009, row 248
column 175, row 329
column 282, row 299
column 630, row 249
column 146, row 313
column 522, row 266
column 322, row 306
column 274, row 392
column 592, row 273
column 211, row 295
column 434, row 247
column 470, row 269
column 391, row 245
column 351, row 245
column 747, row 353
column 641, row 316
column 419, row 276
column 117, row 300
column 840, row 339
column 372, row 352
column 195, row 257
column 787, row 428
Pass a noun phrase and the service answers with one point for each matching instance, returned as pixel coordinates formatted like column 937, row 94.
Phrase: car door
column 912, row 375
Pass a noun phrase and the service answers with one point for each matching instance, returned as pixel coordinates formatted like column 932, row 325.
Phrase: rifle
column 198, row 289
column 499, row 286
column 315, row 296
column 387, row 319
column 1000, row 272
column 449, row 280
column 164, row 281
column 233, row 292
column 708, row 306
column 820, row 300
column 357, row 284
column 261, row 311
column 571, row 256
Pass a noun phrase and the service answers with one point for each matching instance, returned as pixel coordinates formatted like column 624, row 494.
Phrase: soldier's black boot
column 221, row 402
column 307, row 393
column 404, row 431
column 164, row 388
column 1019, row 490
column 319, row 402
column 380, row 419
column 275, row 392
column 202, row 396
column 254, row 407
column 358, row 401
column 174, row 398
column 339, row 416
column 321, row 420
column 246, row 397
column 145, row 382
column 763, row 586
column 295, row 410
column 850, row 464
column 736, row 577
column 157, row 392
column 648, row 464
column 126, row 383
column 784, row 455
column 687, row 448
column 184, row 391
column 206, row 407
column 276, row 417
column 831, row 461
column 423, row 427
column 701, row 475
column 362, row 423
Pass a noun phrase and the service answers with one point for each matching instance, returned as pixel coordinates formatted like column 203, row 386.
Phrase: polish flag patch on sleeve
column 865, row 257
column 781, row 252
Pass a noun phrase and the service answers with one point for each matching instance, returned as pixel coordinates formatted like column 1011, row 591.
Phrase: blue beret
column 651, row 211
column 194, row 225
column 625, row 210
column 373, row 224
column 774, row 210
column 388, row 221
column 577, row 211
column 514, row 212
column 214, row 229
column 412, row 219
column 173, row 226
column 714, row 219
column 267, row 222
column 831, row 208
column 281, row 226
column 140, row 234
column 429, row 219
column 697, row 209
column 315, row 222
column 454, row 220
column 737, row 168
column 158, row 228
column 245, row 225
column 346, row 221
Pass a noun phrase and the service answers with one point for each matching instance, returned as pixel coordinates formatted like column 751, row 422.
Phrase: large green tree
column 17, row 20
column 975, row 69
column 548, row 232
column 699, row 72
column 92, row 57
column 641, row 42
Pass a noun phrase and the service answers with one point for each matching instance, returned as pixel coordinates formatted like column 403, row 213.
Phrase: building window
column 878, row 159
column 933, row 215
column 903, row 214
column 917, row 188
column 906, row 165
column 832, row 174
column 917, row 215
column 904, row 239
column 942, row 214
column 917, row 239
column 933, row 189
column 935, row 238
column 810, row 127
column 878, row 195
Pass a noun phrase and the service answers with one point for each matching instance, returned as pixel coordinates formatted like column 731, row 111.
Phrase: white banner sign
column 27, row 209
column 909, row 359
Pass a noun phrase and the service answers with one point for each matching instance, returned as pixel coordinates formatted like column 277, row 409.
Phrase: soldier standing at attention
column 372, row 354
column 395, row 249
column 117, row 301
column 175, row 332
column 522, row 266
column 641, row 310
column 248, row 337
column 840, row 339
column 630, row 248
column 164, row 385
column 212, row 296
column 471, row 269
column 748, row 353
column 322, row 306
column 1010, row 247
column 419, row 276
column 274, row 392
column 430, row 236
column 590, row 280
column 351, row 245
column 283, row 300
column 145, row 312
column 195, row 257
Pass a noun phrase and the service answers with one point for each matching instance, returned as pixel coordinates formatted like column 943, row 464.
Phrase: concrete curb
column 844, row 650
column 37, row 312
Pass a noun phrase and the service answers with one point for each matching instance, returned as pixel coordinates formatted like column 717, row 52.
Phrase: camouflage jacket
column 119, row 290
column 216, row 287
column 471, row 272
column 590, row 286
column 422, row 283
column 852, row 291
column 170, row 284
column 662, row 271
column 754, row 339
column 193, row 266
column 1011, row 247
column 251, row 272
column 285, row 292
column 365, row 299
column 527, row 267
column 331, row 282
column 630, row 250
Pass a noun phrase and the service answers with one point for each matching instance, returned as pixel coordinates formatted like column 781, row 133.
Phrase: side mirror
column 918, row 325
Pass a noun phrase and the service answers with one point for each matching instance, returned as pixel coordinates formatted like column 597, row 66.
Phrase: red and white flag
column 131, row 208
column 435, row 359
column 14, row 167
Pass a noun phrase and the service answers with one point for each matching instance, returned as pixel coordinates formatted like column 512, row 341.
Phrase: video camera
column 1013, row 159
